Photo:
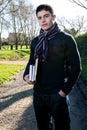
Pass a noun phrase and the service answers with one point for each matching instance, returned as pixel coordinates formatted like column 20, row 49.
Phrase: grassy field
column 14, row 54
column 8, row 70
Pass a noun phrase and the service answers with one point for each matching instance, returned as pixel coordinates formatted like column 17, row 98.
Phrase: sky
column 62, row 8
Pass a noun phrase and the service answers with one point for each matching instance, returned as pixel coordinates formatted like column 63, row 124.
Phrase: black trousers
column 55, row 105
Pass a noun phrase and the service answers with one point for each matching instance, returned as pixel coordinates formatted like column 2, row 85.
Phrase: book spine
column 33, row 71
column 30, row 73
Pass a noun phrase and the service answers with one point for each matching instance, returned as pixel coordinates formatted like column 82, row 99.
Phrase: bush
column 82, row 44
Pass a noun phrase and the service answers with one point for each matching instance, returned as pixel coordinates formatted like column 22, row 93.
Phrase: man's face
column 45, row 19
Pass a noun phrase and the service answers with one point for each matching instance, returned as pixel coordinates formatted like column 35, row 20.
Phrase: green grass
column 8, row 70
column 14, row 54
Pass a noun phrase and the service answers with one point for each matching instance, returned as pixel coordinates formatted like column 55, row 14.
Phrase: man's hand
column 62, row 93
column 26, row 78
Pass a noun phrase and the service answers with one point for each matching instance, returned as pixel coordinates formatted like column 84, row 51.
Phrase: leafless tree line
column 19, row 18
column 73, row 26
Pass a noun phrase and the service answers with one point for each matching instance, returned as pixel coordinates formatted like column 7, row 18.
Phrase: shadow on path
column 78, row 106
column 13, row 98
column 27, row 121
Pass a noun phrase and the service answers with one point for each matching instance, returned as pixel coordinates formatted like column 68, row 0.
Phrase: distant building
column 4, row 41
column 18, row 36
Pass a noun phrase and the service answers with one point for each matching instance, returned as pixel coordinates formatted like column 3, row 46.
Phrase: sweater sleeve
column 31, row 60
column 74, row 60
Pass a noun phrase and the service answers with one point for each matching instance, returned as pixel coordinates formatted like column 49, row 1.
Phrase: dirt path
column 13, row 62
column 16, row 110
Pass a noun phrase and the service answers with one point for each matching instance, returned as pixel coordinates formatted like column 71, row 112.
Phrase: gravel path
column 16, row 109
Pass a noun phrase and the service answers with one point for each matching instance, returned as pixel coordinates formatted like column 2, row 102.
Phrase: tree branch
column 79, row 3
column 5, row 5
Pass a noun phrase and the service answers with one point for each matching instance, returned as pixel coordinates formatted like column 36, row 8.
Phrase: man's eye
column 46, row 16
column 39, row 18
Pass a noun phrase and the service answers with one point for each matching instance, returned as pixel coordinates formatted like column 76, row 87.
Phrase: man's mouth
column 44, row 25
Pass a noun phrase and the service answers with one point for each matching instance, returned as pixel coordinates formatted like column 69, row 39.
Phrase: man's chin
column 46, row 29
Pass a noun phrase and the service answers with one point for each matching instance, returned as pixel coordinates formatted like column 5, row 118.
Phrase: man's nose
column 43, row 19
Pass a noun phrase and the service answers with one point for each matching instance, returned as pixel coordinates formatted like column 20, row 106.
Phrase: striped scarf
column 42, row 46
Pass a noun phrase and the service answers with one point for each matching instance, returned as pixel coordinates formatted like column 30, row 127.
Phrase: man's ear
column 54, row 17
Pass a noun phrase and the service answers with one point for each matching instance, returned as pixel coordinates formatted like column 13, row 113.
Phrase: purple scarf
column 42, row 46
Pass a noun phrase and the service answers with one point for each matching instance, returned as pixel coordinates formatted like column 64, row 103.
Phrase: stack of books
column 33, row 71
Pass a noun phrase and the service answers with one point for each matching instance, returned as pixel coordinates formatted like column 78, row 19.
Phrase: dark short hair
column 45, row 7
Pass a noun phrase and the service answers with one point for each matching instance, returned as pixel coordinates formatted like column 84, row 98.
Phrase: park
column 16, row 96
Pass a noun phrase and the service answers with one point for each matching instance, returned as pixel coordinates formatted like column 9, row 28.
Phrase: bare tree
column 81, row 3
column 13, row 7
column 0, row 33
column 73, row 26
column 27, row 23
column 18, row 18
column 33, row 27
column 4, row 4
column 3, row 22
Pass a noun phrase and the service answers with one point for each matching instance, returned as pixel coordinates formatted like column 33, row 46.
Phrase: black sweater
column 63, row 60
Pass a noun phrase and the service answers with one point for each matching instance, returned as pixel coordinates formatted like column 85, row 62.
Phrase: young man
column 58, row 59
